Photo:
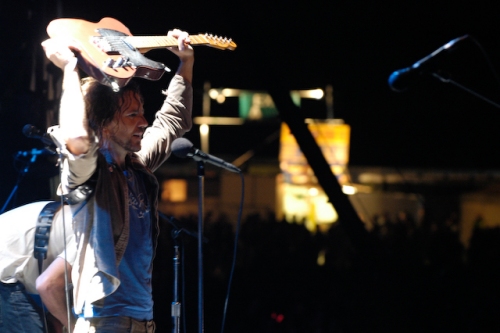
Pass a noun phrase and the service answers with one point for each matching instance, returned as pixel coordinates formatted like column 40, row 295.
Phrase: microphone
column 32, row 132
column 182, row 148
column 400, row 80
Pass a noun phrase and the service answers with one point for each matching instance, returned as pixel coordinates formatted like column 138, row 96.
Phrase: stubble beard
column 126, row 145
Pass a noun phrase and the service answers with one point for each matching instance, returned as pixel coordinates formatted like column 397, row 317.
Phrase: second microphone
column 182, row 147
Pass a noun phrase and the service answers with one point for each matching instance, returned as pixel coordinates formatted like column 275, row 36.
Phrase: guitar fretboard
column 165, row 41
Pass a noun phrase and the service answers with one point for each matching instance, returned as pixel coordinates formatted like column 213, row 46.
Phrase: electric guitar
column 111, row 55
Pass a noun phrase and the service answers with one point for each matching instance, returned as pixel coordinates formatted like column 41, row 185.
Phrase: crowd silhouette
column 418, row 278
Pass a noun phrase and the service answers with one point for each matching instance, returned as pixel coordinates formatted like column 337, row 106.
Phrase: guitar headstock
column 221, row 43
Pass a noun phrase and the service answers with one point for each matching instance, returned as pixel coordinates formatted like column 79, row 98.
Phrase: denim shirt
column 101, row 222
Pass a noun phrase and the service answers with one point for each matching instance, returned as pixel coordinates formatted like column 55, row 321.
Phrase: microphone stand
column 176, row 305
column 201, row 183
column 22, row 173
column 447, row 80
column 177, row 230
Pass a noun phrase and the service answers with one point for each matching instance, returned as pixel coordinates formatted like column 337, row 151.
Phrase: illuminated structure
column 296, row 195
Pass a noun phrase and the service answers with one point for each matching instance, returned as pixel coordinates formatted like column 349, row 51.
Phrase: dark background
column 353, row 46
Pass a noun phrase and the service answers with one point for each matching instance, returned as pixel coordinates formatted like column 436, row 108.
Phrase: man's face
column 127, row 127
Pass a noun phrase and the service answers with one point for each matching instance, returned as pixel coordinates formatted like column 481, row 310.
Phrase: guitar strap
column 42, row 233
column 46, row 216
column 42, row 236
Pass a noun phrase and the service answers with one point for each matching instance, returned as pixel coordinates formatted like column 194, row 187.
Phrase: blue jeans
column 113, row 325
column 18, row 311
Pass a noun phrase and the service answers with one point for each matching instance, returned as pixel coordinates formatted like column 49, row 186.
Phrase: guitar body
column 105, row 53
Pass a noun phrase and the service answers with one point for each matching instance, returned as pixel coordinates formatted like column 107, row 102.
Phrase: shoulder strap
column 82, row 192
column 42, row 232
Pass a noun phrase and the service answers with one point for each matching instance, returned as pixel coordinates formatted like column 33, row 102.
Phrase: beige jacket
column 102, row 222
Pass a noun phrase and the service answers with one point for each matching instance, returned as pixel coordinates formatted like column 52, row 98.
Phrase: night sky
column 352, row 45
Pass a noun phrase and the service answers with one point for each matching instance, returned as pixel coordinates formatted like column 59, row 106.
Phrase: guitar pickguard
column 114, row 42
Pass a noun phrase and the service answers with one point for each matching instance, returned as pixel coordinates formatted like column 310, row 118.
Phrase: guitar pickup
column 103, row 44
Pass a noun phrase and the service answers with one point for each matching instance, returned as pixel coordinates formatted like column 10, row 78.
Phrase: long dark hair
column 102, row 103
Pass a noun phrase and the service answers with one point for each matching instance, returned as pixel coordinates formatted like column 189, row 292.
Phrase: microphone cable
column 235, row 250
column 488, row 60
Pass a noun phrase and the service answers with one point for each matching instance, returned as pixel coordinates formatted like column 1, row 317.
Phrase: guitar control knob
column 109, row 62
column 119, row 62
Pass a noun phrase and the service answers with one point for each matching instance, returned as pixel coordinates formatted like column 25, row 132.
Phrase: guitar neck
column 146, row 43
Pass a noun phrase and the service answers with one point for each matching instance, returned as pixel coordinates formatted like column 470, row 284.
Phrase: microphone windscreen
column 181, row 147
column 30, row 131
column 396, row 80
